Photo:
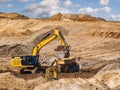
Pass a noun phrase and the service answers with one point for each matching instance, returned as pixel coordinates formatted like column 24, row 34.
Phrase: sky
column 107, row 9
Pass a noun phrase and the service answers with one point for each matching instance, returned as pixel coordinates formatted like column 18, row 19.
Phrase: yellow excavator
column 67, row 63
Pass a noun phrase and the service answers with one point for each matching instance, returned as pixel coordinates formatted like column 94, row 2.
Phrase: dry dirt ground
column 97, row 43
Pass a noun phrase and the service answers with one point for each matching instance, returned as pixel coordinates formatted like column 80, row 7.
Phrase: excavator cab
column 29, row 60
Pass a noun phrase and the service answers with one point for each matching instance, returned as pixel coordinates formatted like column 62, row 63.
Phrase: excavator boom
column 50, row 37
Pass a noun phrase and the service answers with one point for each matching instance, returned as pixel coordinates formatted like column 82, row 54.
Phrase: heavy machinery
column 30, row 62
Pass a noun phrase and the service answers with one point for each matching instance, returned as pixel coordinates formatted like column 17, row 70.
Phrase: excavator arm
column 50, row 37
column 42, row 44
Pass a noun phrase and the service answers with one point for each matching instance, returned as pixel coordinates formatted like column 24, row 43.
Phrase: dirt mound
column 117, row 88
column 73, row 84
column 7, row 80
column 13, row 50
column 39, row 83
column 75, row 17
column 110, row 78
column 110, row 75
column 12, row 16
column 57, row 17
column 32, row 83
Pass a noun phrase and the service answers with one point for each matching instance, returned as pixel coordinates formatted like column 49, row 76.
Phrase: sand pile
column 57, row 17
column 74, row 17
column 35, row 82
column 13, row 50
column 73, row 84
column 110, row 78
column 4, row 66
column 12, row 16
column 9, row 81
column 110, row 75
column 106, row 79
